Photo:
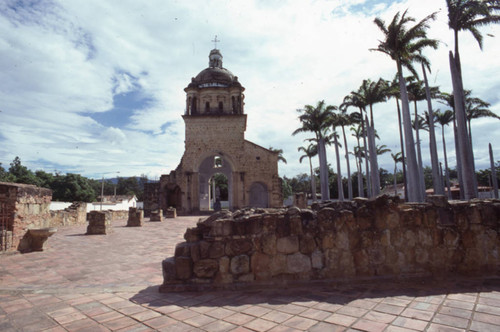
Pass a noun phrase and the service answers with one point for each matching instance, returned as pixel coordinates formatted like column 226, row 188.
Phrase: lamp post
column 102, row 186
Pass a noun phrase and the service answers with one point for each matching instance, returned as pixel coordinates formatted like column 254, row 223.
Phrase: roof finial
column 215, row 41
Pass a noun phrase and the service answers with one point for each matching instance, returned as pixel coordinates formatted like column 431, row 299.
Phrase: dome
column 215, row 75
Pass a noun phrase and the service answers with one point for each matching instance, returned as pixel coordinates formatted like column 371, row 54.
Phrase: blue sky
column 95, row 87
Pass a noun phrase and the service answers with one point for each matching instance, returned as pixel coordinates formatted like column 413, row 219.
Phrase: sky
column 97, row 87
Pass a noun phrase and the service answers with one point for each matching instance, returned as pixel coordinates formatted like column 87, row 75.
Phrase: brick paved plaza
column 110, row 283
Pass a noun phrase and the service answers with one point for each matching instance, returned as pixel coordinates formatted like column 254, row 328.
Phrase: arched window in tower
column 239, row 105
column 193, row 106
column 233, row 104
column 221, row 106
column 207, row 107
column 188, row 106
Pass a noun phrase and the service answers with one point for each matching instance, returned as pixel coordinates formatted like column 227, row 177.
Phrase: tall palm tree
column 309, row 152
column 353, row 100
column 394, row 92
column 334, row 137
column 416, row 93
column 467, row 15
column 370, row 93
column 346, row 119
column 358, row 134
column 404, row 45
column 398, row 157
column 444, row 118
column 315, row 119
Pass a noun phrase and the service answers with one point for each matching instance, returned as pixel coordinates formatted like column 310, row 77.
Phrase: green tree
column 404, row 45
column 5, row 176
column 315, row 119
column 21, row 174
column 444, row 118
column 72, row 188
column 345, row 119
column 398, row 158
column 371, row 92
column 309, row 152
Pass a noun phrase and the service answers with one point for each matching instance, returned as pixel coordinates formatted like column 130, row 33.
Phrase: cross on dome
column 215, row 41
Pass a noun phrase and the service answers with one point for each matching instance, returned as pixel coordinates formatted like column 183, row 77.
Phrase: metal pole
column 102, row 190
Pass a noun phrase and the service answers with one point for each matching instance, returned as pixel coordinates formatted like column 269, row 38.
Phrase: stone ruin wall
column 27, row 207
column 350, row 240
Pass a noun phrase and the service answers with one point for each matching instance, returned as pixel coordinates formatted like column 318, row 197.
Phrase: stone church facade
column 215, row 125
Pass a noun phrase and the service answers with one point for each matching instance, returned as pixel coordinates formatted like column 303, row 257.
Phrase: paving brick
column 323, row 326
column 484, row 327
column 450, row 321
column 300, row 323
column 200, row 320
column 409, row 323
column 259, row 324
column 368, row 325
column 340, row 319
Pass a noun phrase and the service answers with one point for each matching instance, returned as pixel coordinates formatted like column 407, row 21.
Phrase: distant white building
column 115, row 203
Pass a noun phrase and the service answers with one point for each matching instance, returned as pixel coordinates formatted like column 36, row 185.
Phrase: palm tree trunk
column 340, row 187
column 375, row 180
column 459, row 164
column 414, row 192
column 349, row 181
column 361, row 191
column 323, row 170
column 367, row 168
column 402, row 151
column 467, row 164
column 395, row 181
column 446, row 169
column 436, row 179
column 494, row 179
column 419, row 152
column 313, row 181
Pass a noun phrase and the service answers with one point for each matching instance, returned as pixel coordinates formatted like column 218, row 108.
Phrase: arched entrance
column 259, row 196
column 174, row 198
column 212, row 169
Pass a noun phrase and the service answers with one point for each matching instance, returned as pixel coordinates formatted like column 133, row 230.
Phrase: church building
column 215, row 145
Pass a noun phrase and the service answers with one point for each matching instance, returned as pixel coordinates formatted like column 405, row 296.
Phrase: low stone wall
column 358, row 239
column 75, row 214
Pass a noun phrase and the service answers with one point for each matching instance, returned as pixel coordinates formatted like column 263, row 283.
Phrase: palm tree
column 371, row 93
column 476, row 108
column 467, row 15
column 358, row 133
column 444, row 118
column 334, row 136
column 393, row 92
column 309, row 152
column 345, row 119
column 315, row 119
column 279, row 152
column 398, row 157
column 404, row 46
column 381, row 149
column 416, row 93
column 353, row 100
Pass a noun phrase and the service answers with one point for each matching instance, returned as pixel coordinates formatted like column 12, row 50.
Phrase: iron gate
column 5, row 227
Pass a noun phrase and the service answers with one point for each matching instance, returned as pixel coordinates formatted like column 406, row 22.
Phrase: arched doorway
column 174, row 198
column 214, row 171
column 218, row 192
column 259, row 196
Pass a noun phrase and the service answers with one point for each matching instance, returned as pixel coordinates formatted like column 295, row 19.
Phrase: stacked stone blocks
column 99, row 223
column 135, row 217
column 359, row 239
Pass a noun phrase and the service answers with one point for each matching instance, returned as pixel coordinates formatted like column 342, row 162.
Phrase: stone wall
column 26, row 207
column 75, row 214
column 359, row 239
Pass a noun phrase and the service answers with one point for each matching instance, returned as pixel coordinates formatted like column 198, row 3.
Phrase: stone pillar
column 99, row 223
column 135, row 217
column 156, row 215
